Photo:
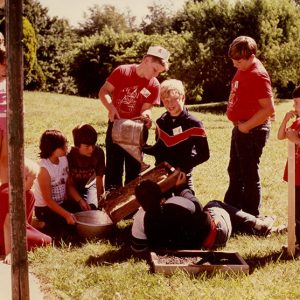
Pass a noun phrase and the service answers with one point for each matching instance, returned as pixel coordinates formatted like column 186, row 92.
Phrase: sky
column 73, row 9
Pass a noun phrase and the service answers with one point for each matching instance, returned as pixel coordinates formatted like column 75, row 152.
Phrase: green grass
column 106, row 269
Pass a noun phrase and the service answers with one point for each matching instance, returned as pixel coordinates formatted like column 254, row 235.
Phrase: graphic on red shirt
column 132, row 91
column 127, row 100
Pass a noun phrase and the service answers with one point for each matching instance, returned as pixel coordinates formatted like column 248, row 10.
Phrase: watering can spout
column 135, row 151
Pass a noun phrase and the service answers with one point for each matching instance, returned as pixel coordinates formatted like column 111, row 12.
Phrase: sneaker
column 281, row 229
column 264, row 226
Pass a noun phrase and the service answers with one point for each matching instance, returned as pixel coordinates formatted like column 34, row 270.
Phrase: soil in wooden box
column 194, row 261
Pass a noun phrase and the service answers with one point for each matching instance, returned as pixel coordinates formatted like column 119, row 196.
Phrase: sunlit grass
column 106, row 269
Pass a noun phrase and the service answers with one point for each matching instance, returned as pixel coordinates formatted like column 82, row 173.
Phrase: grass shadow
column 256, row 262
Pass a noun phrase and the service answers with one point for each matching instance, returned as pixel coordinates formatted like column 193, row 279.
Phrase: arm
column 105, row 97
column 146, row 113
column 267, row 110
column 73, row 194
column 281, row 134
column 44, row 181
column 202, row 154
column 7, row 239
column 99, row 186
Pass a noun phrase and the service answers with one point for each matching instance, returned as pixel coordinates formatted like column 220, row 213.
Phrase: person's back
column 183, row 225
column 179, row 222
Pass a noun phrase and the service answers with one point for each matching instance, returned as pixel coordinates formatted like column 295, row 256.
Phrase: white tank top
column 58, row 174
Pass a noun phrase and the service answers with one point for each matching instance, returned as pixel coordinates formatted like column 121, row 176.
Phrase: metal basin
column 93, row 223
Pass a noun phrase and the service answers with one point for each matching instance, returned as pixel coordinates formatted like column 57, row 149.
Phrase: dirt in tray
column 178, row 260
column 211, row 259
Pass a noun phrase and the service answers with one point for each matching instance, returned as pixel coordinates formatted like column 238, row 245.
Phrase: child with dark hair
column 86, row 168
column 34, row 237
column 51, row 204
column 181, row 222
column 292, row 134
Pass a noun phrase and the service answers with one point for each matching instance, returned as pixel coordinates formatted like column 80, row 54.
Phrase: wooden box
column 121, row 202
column 196, row 261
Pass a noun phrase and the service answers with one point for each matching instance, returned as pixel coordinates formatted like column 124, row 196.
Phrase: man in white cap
column 130, row 91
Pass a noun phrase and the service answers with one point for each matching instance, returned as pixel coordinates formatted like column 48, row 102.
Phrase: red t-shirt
column 132, row 91
column 296, row 126
column 247, row 87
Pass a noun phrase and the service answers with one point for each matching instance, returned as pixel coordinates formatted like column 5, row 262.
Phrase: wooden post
column 291, row 199
column 14, row 36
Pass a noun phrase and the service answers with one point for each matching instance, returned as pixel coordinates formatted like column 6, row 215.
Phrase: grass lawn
column 107, row 269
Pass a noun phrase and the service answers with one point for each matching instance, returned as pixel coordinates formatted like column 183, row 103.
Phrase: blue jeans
column 229, row 219
column 244, row 191
column 116, row 156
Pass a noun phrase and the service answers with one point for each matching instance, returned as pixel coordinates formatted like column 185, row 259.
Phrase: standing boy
column 86, row 168
column 129, row 92
column 250, row 107
column 181, row 138
column 292, row 134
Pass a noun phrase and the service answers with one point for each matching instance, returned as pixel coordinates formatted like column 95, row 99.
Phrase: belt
column 236, row 123
column 210, row 240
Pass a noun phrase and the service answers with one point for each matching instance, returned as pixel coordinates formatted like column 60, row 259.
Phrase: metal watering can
column 131, row 135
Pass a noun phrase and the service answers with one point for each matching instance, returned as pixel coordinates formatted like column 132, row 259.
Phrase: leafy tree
column 98, row 55
column 158, row 21
column 274, row 24
column 55, row 39
column 100, row 17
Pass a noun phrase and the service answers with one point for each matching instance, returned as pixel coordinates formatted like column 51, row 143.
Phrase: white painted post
column 291, row 199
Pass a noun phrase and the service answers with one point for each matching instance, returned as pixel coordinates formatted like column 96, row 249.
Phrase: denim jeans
column 244, row 191
column 116, row 156
column 229, row 219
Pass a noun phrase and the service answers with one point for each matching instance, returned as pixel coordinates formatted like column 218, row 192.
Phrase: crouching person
column 52, row 205
column 86, row 168
column 34, row 237
column 181, row 222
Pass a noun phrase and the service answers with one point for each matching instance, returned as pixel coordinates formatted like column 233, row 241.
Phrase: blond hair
column 30, row 167
column 171, row 87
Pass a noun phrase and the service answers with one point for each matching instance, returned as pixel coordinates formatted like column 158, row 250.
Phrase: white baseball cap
column 160, row 52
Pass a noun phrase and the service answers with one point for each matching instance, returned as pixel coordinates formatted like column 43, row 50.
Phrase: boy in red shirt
column 292, row 134
column 250, row 107
column 129, row 92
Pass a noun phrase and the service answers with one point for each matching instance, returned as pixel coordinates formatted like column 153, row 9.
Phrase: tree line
column 77, row 60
